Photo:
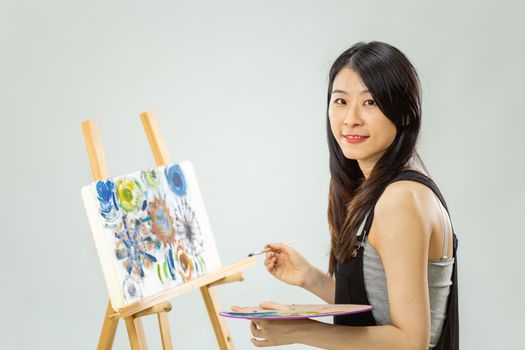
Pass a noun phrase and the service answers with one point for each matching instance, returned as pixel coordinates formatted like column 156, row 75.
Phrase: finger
column 277, row 247
column 270, row 262
column 274, row 306
column 267, row 263
column 270, row 255
column 256, row 332
column 261, row 343
column 236, row 308
column 270, row 267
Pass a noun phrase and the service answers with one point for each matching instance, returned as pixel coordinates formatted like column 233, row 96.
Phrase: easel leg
column 164, row 330
column 136, row 333
column 107, row 334
column 219, row 324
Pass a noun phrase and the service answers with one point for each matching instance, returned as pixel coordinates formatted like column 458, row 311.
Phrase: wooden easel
column 159, row 303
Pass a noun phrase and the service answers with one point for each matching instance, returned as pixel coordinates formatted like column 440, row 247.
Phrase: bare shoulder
column 401, row 213
column 405, row 194
column 405, row 187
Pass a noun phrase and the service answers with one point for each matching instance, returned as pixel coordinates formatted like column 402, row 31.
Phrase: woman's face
column 352, row 111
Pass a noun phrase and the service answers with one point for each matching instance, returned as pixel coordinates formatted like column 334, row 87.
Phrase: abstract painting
column 151, row 231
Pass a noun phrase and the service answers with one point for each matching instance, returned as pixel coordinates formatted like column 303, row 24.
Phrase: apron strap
column 413, row 175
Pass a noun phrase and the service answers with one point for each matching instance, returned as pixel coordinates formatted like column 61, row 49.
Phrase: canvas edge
column 103, row 250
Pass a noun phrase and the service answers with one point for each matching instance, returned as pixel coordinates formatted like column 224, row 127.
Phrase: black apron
column 350, row 285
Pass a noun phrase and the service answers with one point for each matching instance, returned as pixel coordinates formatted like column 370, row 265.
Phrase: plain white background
column 239, row 88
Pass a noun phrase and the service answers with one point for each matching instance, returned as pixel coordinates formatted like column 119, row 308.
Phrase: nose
column 352, row 116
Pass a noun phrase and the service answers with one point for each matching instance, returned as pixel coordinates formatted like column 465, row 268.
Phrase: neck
column 367, row 166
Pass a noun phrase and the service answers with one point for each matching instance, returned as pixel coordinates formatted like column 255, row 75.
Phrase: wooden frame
column 158, row 304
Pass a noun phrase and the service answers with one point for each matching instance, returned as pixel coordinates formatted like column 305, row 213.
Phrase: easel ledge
column 226, row 274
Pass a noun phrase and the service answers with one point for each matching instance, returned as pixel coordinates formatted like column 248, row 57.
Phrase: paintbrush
column 268, row 249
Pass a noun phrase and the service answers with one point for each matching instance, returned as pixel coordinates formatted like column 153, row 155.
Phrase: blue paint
column 107, row 201
column 176, row 180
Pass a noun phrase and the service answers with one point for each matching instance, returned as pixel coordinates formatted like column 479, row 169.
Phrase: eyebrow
column 346, row 92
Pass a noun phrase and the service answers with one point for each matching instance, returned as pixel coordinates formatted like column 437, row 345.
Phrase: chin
column 353, row 156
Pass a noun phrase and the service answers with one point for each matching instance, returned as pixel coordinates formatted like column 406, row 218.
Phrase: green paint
column 202, row 264
column 127, row 194
column 158, row 273
column 165, row 266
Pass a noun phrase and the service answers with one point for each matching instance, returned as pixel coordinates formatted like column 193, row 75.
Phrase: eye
column 369, row 102
column 339, row 101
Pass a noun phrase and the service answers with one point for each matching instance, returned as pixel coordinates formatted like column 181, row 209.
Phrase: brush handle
column 269, row 249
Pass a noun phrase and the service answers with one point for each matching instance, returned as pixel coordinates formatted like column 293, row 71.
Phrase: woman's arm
column 402, row 234
column 335, row 337
column 320, row 284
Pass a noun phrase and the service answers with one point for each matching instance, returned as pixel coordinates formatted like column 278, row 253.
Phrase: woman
column 393, row 245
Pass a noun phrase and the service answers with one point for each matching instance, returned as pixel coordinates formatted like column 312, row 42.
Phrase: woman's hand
column 269, row 305
column 286, row 264
column 277, row 332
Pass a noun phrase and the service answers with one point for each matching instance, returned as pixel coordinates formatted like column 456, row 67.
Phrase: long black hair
column 394, row 85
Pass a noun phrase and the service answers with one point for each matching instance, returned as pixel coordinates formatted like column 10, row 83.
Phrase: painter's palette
column 297, row 311
column 151, row 231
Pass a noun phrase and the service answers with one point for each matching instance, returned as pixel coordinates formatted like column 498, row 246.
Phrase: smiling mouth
column 355, row 137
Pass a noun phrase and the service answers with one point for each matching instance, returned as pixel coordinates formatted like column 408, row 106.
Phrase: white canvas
column 151, row 231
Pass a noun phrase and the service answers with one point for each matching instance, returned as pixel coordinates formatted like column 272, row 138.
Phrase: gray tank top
column 439, row 282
